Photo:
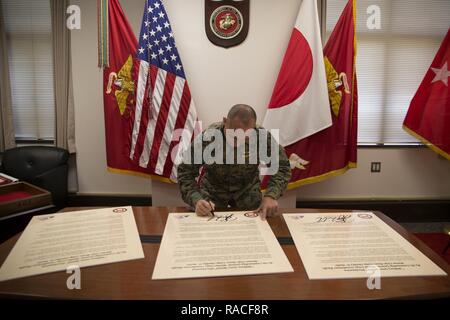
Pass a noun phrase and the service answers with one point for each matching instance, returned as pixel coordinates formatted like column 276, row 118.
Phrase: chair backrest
column 45, row 167
column 26, row 163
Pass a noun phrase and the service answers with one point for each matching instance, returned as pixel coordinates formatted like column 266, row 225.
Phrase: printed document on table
column 229, row 244
column 54, row 242
column 354, row 245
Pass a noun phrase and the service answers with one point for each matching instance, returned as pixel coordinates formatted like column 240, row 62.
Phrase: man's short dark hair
column 243, row 112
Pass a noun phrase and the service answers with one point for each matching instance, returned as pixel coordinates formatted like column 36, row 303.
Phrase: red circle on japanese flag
column 295, row 73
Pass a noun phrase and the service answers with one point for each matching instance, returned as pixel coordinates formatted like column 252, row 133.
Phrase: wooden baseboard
column 75, row 200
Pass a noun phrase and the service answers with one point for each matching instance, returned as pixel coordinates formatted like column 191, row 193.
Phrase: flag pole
column 103, row 33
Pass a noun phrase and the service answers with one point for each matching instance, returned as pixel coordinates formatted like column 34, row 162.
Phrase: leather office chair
column 42, row 166
column 447, row 231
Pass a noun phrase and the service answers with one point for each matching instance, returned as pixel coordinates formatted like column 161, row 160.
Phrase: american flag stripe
column 187, row 119
column 158, row 93
column 186, row 139
column 140, row 94
column 161, row 120
column 146, row 112
column 170, row 124
column 185, row 114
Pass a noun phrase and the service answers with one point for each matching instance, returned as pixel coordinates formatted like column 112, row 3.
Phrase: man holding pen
column 230, row 182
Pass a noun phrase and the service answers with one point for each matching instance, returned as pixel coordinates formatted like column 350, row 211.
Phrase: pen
column 212, row 210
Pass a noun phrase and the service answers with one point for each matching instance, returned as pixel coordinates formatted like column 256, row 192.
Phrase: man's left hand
column 268, row 208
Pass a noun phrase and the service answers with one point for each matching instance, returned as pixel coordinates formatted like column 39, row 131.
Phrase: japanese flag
column 299, row 106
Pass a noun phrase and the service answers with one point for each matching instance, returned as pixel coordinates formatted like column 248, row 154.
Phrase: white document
column 355, row 245
column 229, row 244
column 54, row 242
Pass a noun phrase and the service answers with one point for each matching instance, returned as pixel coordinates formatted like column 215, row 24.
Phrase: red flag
column 119, row 86
column 333, row 151
column 428, row 117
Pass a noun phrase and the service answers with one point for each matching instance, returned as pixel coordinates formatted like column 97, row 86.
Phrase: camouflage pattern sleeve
column 279, row 181
column 188, row 172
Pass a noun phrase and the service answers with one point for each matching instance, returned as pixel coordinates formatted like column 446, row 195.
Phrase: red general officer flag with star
column 428, row 117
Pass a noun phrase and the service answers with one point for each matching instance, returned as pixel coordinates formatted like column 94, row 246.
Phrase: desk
column 132, row 279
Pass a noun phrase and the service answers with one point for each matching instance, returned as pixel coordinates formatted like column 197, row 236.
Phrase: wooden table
column 132, row 279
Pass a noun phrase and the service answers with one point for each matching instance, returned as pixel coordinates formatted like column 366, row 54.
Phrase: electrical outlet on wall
column 375, row 167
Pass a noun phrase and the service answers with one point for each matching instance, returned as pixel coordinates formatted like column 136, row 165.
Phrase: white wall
column 220, row 78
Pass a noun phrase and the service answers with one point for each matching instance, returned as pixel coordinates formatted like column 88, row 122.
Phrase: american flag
column 163, row 99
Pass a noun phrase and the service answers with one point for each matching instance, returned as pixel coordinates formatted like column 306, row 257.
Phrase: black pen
column 212, row 210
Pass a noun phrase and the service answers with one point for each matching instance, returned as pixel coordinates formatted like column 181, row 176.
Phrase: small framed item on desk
column 21, row 197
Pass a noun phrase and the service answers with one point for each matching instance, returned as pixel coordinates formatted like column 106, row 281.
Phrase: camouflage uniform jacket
column 230, row 185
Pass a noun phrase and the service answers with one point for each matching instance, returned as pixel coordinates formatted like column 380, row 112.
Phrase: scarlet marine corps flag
column 333, row 150
column 428, row 117
column 299, row 105
column 146, row 95
column 117, row 51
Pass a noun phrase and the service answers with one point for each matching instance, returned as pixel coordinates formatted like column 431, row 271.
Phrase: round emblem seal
column 251, row 214
column 226, row 22
column 120, row 210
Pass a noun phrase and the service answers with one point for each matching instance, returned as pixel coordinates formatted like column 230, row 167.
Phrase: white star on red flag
column 442, row 74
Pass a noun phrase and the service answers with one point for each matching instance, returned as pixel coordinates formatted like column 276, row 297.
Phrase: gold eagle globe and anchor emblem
column 227, row 21
column 336, row 82
column 123, row 83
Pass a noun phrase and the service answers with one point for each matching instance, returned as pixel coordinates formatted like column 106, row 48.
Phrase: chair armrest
column 54, row 181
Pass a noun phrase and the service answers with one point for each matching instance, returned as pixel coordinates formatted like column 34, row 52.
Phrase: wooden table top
column 132, row 279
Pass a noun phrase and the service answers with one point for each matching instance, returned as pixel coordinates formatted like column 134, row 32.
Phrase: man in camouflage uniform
column 237, row 185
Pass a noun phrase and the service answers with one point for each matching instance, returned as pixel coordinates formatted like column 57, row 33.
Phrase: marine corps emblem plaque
column 227, row 21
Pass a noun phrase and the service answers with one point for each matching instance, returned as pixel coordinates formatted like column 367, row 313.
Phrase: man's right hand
column 203, row 208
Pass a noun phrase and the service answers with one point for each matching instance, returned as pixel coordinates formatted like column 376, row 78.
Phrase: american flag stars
column 156, row 42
